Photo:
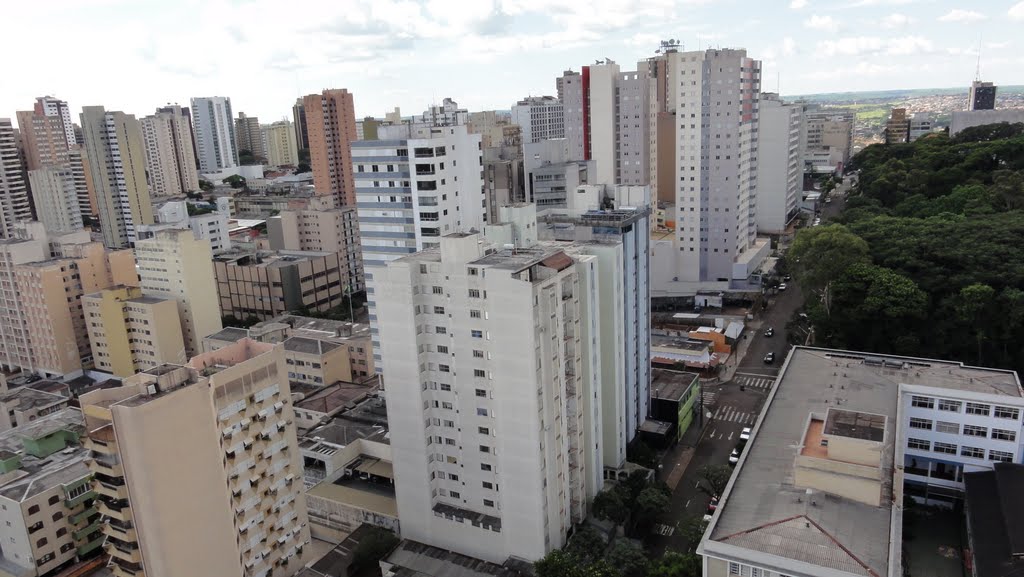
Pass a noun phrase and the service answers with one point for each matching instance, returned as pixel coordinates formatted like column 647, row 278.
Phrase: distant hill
column 893, row 95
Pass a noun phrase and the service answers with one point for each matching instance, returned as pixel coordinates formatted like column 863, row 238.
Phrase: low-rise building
column 321, row 226
column 319, row 406
column 264, row 284
column 676, row 399
column 967, row 118
column 19, row 407
column 130, row 332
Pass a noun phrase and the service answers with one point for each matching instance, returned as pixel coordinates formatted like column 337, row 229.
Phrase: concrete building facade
column 541, row 118
column 330, row 128
column 780, row 166
column 322, row 227
column 175, row 264
column 170, row 156
column 213, row 125
column 55, row 195
column 281, row 149
column 249, row 136
column 299, row 123
column 117, row 163
column 265, row 284
column 981, row 96
column 14, row 198
column 130, row 332
column 481, row 468
column 967, row 119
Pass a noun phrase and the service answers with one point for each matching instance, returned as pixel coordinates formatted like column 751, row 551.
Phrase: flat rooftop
column 30, row 398
column 309, row 346
column 362, row 494
column 333, row 398
column 229, row 334
column 268, row 259
column 670, row 385
column 314, row 327
column 343, row 431
column 763, row 511
column 35, row 475
column 415, row 559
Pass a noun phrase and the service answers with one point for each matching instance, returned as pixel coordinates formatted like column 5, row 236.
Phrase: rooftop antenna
column 977, row 70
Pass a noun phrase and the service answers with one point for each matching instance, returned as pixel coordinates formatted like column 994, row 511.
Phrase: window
column 479, row 373
column 488, row 503
column 485, row 449
column 441, row 330
column 446, row 406
column 919, row 444
column 449, row 441
column 1001, row 456
column 53, row 500
column 442, row 349
column 41, row 542
column 477, row 334
column 438, row 290
column 1004, row 435
column 481, row 393
column 952, row 406
column 483, row 430
column 474, row 293
column 485, row 467
column 922, row 402
column 975, row 431
column 947, row 427
column 453, row 477
column 45, row 558
column 449, row 424
column 1007, row 413
column 945, row 448
column 58, row 516
column 474, row 314
column 62, row 531
column 481, row 412
column 916, row 423
column 66, row 547
column 423, row 267
column 446, row 387
column 487, row 485
column 977, row 409
column 33, row 509
column 454, row 495
column 447, row 369
column 973, row 452
column 472, row 271
column 734, row 568
column 478, row 354
column 438, row 310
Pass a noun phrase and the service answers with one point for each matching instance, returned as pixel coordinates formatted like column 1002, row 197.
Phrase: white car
column 783, row 286
column 745, row 434
column 734, row 457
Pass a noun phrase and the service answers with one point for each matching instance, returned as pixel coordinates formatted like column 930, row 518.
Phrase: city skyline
column 401, row 52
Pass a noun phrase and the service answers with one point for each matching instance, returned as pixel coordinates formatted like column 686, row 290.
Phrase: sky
column 135, row 55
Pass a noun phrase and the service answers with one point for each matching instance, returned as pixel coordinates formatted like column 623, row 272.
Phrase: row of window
column 982, row 409
column 965, row 451
column 968, row 430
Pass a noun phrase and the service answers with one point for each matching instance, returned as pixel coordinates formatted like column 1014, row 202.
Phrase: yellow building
column 323, row 227
column 131, row 332
column 236, row 466
column 281, row 147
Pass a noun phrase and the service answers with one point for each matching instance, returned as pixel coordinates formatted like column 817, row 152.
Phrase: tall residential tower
column 214, row 128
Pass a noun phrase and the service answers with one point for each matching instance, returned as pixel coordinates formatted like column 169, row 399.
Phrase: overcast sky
column 135, row 55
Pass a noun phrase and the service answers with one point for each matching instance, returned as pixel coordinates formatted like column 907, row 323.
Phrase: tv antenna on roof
column 977, row 70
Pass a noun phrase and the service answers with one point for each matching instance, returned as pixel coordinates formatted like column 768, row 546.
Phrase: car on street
column 745, row 435
column 707, row 518
column 783, row 286
column 769, row 358
column 769, row 332
column 734, row 457
column 787, row 278
column 712, row 505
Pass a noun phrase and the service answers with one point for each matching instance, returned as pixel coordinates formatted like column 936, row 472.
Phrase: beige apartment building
column 264, row 284
column 236, row 466
column 117, row 163
column 46, row 497
column 131, row 332
column 174, row 264
column 170, row 156
column 248, row 135
column 330, row 127
column 322, row 226
column 56, row 197
column 42, row 325
column 21, row 406
column 279, row 138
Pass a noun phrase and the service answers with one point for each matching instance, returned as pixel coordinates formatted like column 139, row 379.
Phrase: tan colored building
column 56, row 197
column 117, row 163
column 170, row 156
column 45, row 133
column 321, row 226
column 248, row 135
column 331, row 126
column 175, row 264
column 316, row 362
column 236, row 466
column 897, row 127
column 131, row 332
column 21, row 406
column 47, row 512
column 264, row 284
column 279, row 138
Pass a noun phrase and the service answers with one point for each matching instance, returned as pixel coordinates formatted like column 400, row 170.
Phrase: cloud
column 865, row 45
column 1016, row 12
column 788, row 46
column 896, row 20
column 797, row 4
column 909, row 45
column 863, row 3
column 861, row 70
column 826, row 23
column 958, row 15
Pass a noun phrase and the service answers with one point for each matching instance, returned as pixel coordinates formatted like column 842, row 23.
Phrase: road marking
column 771, row 373
column 696, row 485
column 687, row 505
column 730, row 436
column 713, row 433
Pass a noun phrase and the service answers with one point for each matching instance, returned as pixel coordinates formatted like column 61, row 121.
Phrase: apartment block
column 827, row 133
column 48, row 132
column 551, row 177
column 249, row 136
column 21, row 406
column 170, row 154
column 279, row 138
column 55, row 195
column 897, row 126
column 237, row 460
column 174, row 264
column 981, row 96
column 320, row 226
column 117, row 164
column 921, row 124
column 843, row 439
column 540, row 117
column 47, row 514
column 130, row 332
column 780, row 167
column 504, row 181
column 482, row 468
column 213, row 126
column 330, row 128
column 299, row 122
column 490, row 125
column 969, row 118
column 264, row 284
column 14, row 200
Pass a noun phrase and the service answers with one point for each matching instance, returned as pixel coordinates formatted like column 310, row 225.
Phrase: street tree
column 714, row 478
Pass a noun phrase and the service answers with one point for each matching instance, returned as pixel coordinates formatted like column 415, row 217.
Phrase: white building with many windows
column 492, row 422
column 540, row 117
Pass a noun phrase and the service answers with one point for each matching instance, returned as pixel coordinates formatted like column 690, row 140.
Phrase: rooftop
column 415, row 559
column 229, row 334
column 995, row 503
column 268, row 259
column 147, row 300
column 314, row 327
column 35, row 475
column 309, row 346
column 670, row 385
column 343, row 431
column 357, row 493
column 30, row 398
column 333, row 398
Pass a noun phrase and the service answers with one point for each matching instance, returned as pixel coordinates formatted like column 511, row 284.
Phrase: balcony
column 79, row 499
column 110, row 490
column 80, row 534
column 106, row 468
column 94, row 542
column 122, row 513
column 124, row 551
column 126, row 570
column 122, row 531
column 100, row 447
column 82, row 515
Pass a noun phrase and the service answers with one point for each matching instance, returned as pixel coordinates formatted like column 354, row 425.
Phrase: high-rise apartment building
column 279, row 138
column 921, row 124
column 230, row 503
column 299, row 122
column 173, row 263
column 982, row 96
column 331, row 127
column 541, row 118
column 214, row 128
column 827, row 136
column 780, row 167
column 117, row 164
column 14, row 201
column 170, row 156
column 322, row 227
column 413, row 191
column 55, row 107
column 704, row 148
column 55, row 195
column 130, row 332
column 249, row 136
column 897, row 126
column 491, row 422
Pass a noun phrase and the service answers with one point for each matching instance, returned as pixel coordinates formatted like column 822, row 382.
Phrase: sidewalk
column 680, row 455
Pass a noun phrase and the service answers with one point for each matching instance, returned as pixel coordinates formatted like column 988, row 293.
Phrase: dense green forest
column 927, row 258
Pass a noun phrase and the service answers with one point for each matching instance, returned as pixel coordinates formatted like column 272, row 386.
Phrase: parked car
column 783, row 286
column 712, row 505
column 769, row 332
column 769, row 358
column 745, row 435
column 734, row 457
column 787, row 278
